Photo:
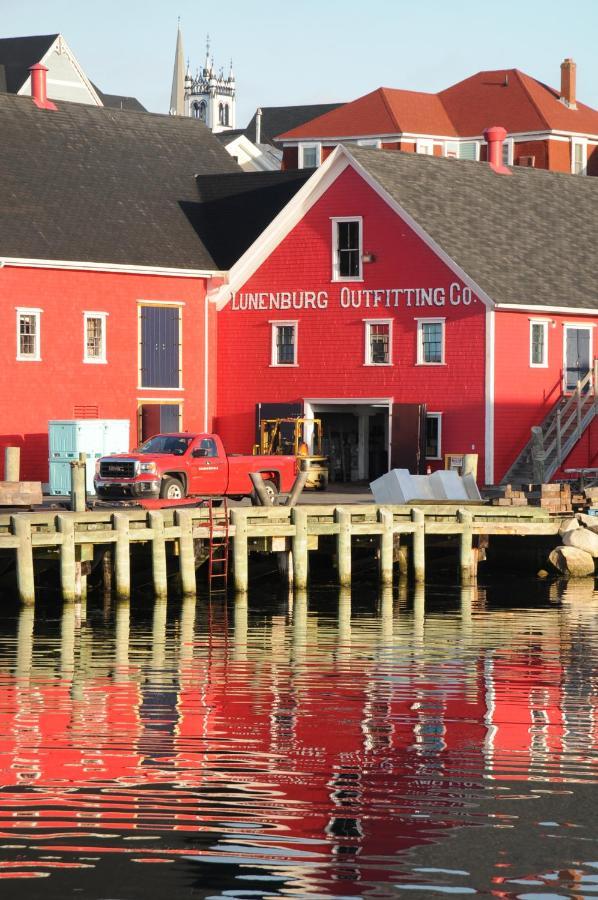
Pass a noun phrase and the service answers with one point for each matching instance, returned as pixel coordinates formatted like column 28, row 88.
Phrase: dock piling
column 240, row 550
column 300, row 553
column 419, row 546
column 21, row 528
column 122, row 559
column 343, row 546
column 386, row 546
column 466, row 546
column 68, row 566
column 155, row 520
column 12, row 463
column 78, row 485
column 182, row 518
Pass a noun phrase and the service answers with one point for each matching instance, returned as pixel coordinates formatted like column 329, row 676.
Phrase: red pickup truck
column 174, row 466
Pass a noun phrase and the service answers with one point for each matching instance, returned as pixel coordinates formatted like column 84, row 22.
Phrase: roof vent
column 38, row 87
column 495, row 137
column 568, row 69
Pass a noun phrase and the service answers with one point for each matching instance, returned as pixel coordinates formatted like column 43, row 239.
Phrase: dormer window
column 309, row 156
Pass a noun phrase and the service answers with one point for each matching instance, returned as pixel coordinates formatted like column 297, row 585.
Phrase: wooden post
column 343, row 545
column 466, row 546
column 470, row 464
column 21, row 528
column 300, row 554
column 419, row 546
column 122, row 559
column 182, row 518
column 159, row 570
column 538, row 455
column 240, row 549
column 12, row 463
column 386, row 546
column 107, row 570
column 68, row 574
column 78, row 486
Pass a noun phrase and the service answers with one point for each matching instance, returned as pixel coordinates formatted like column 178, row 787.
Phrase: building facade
column 376, row 302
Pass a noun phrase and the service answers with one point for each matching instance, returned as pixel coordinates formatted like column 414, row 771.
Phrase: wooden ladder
column 218, row 550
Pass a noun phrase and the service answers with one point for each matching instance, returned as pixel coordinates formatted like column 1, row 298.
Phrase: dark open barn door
column 407, row 437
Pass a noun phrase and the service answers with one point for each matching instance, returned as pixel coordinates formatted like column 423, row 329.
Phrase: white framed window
column 310, row 156
column 469, row 150
column 507, row 152
column 579, row 157
column 28, row 334
column 94, row 337
column 430, row 342
column 369, row 142
column 378, row 342
column 451, row 149
column 347, row 244
column 284, row 343
column 433, row 435
column 538, row 343
column 425, row 147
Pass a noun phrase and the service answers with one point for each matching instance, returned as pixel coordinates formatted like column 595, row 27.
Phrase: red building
column 547, row 128
column 103, row 274
column 398, row 293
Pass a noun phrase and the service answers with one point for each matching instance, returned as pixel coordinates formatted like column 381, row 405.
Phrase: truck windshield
column 166, row 443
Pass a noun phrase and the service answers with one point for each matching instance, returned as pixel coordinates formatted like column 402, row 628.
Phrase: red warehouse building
column 103, row 275
column 420, row 306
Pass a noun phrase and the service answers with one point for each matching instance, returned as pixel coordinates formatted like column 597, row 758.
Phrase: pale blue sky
column 310, row 51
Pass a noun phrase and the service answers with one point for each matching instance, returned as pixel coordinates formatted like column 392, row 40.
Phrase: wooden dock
column 75, row 539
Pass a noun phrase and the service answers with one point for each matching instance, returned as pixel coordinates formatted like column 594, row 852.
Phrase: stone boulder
column 569, row 525
column 590, row 522
column 572, row 561
column 583, row 539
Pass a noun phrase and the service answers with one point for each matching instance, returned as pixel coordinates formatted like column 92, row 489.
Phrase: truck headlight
column 147, row 467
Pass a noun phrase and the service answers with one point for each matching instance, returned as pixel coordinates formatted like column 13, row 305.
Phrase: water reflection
column 303, row 746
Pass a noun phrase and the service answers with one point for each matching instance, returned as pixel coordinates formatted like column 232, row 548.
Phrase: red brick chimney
column 38, row 87
column 494, row 137
column 568, row 69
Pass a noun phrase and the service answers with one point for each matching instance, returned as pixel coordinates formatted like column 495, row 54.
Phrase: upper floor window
column 579, row 158
column 425, row 147
column 199, row 110
column 28, row 334
column 347, row 240
column 469, row 150
column 223, row 114
column 284, row 344
column 507, row 152
column 538, row 344
column 94, row 337
column 430, row 342
column 378, row 342
column 309, row 156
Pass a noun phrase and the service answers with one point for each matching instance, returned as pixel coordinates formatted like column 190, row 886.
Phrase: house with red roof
column 546, row 128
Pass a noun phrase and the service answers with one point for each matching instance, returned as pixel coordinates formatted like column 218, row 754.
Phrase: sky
column 312, row 51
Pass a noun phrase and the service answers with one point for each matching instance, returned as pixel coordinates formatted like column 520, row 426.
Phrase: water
column 407, row 744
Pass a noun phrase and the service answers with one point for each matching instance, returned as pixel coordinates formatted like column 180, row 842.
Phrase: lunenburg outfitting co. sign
column 349, row 298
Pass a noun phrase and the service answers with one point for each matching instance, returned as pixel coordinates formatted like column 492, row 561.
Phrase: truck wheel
column 272, row 491
column 171, row 489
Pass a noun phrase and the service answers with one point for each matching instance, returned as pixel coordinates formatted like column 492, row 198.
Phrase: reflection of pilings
column 386, row 546
column 344, row 619
column 299, row 624
column 67, row 638
column 123, row 613
column 187, row 626
column 240, row 627
column 159, row 634
column 300, row 547
column 25, row 642
column 240, row 549
column 467, row 598
column 403, row 592
column 386, row 620
column 419, row 610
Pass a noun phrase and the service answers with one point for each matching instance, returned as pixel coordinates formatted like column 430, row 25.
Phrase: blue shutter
column 160, row 346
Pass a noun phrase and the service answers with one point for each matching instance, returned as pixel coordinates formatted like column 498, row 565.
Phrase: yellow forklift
column 287, row 436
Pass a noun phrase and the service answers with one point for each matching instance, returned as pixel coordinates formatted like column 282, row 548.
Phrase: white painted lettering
column 439, row 297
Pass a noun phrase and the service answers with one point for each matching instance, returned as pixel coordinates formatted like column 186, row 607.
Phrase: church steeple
column 211, row 95
column 177, row 94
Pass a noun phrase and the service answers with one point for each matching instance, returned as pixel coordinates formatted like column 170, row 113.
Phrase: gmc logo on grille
column 117, row 469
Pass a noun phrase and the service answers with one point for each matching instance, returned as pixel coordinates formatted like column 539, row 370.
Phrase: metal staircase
column 553, row 440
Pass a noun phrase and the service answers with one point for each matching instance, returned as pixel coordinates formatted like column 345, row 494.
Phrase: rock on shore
column 572, row 561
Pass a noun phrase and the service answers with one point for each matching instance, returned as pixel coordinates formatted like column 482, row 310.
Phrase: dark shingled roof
column 91, row 184
column 17, row 55
column 225, row 137
column 528, row 238
column 118, row 101
column 278, row 119
column 235, row 209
